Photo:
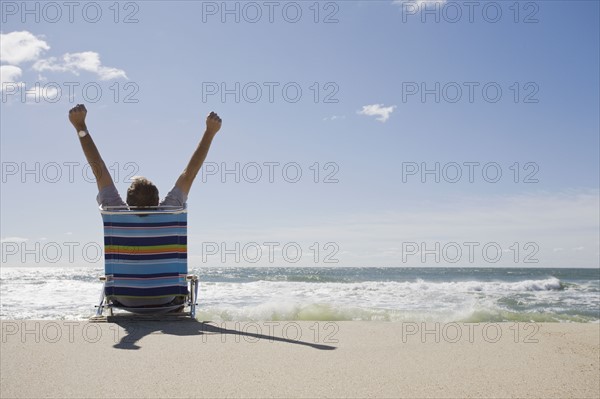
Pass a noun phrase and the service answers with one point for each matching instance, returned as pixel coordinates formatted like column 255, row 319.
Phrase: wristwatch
column 82, row 133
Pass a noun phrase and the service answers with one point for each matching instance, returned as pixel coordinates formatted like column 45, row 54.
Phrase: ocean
column 335, row 293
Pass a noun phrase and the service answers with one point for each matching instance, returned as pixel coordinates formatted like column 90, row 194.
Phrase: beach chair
column 145, row 261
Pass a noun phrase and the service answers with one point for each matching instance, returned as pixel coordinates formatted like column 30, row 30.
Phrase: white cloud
column 334, row 117
column 383, row 113
column 14, row 239
column 580, row 248
column 420, row 3
column 76, row 62
column 18, row 47
column 22, row 46
column 9, row 74
column 37, row 93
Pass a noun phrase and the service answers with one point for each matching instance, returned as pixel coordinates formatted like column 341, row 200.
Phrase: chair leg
column 101, row 305
column 192, row 299
column 193, row 296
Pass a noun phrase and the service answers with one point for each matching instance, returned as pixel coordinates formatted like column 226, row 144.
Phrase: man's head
column 142, row 192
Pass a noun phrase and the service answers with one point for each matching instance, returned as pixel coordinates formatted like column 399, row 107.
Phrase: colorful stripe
column 147, row 241
column 145, row 255
column 146, row 268
column 151, row 249
column 141, row 232
column 154, row 282
column 116, row 258
column 131, row 219
column 144, row 292
column 148, row 276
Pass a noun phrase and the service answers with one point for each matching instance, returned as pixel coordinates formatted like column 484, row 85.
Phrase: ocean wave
column 549, row 284
column 324, row 312
column 282, row 295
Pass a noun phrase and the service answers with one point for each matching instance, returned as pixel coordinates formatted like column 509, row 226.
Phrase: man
column 141, row 192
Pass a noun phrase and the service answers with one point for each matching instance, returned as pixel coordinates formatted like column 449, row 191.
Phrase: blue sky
column 368, row 130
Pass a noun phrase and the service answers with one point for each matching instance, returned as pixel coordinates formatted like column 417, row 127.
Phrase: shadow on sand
column 136, row 330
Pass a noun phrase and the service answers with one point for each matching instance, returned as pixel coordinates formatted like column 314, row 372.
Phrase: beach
column 185, row 358
column 300, row 199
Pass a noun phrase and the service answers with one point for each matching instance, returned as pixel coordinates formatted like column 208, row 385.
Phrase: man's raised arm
column 184, row 183
column 77, row 117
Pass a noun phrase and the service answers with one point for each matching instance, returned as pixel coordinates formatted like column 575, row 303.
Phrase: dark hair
column 142, row 192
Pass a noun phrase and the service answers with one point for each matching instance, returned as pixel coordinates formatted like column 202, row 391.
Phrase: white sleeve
column 175, row 197
column 109, row 196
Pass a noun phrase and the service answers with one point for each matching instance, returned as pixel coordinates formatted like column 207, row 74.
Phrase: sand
column 298, row 359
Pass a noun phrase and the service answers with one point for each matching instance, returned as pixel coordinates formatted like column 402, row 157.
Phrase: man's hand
column 77, row 117
column 185, row 180
column 213, row 123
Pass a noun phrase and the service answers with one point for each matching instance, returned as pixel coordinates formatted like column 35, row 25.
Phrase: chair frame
column 193, row 283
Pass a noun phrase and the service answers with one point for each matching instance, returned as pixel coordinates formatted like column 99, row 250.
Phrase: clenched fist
column 213, row 123
column 77, row 116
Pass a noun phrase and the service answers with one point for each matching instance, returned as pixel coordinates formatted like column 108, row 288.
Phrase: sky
column 355, row 133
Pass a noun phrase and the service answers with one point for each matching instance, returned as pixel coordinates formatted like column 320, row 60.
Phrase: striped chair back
column 145, row 252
